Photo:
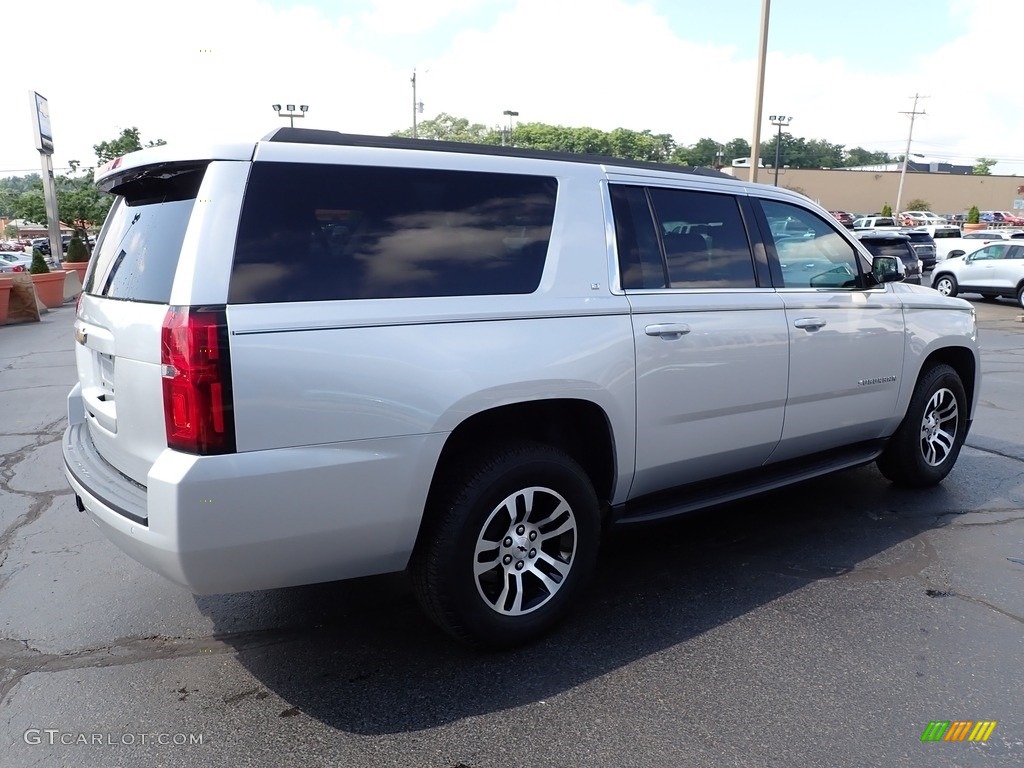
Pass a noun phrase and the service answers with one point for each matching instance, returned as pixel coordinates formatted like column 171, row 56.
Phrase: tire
column 946, row 285
column 990, row 296
column 1020, row 297
column 927, row 443
column 509, row 540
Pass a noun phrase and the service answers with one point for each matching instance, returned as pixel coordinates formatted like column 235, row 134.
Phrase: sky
column 211, row 69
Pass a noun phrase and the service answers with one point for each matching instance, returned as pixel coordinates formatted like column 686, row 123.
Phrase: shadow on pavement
column 360, row 657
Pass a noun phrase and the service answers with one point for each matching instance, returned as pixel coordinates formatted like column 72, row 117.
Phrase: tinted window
column 893, row 248
column 318, row 232
column 811, row 253
column 137, row 252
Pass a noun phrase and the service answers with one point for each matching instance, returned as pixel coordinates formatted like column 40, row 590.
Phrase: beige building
column 868, row 191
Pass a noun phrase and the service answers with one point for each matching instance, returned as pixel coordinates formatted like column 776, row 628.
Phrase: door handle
column 667, row 330
column 810, row 323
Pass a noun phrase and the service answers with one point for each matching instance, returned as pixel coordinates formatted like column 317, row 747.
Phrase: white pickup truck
column 950, row 242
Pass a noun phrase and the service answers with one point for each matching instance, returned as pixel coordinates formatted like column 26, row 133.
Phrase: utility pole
column 762, row 55
column 906, row 155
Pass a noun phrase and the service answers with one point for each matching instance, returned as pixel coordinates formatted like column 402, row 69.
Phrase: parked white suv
column 996, row 269
column 321, row 356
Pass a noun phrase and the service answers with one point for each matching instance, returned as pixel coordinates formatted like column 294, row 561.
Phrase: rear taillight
column 196, row 371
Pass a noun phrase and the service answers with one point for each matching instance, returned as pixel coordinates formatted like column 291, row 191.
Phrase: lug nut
column 521, row 530
column 506, row 559
column 533, row 535
column 519, row 565
column 533, row 553
column 508, row 541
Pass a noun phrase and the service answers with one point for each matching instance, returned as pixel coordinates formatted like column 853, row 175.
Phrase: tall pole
column 906, row 155
column 762, row 55
column 781, row 121
column 414, row 104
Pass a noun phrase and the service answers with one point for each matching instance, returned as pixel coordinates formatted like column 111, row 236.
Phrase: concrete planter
column 5, row 297
column 50, row 288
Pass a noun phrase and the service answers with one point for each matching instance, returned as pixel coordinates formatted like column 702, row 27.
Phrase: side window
column 988, row 253
column 812, row 254
column 640, row 263
column 325, row 232
column 1015, row 252
column 704, row 239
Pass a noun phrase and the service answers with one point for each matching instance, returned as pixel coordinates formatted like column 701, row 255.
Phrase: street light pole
column 417, row 106
column 781, row 121
column 291, row 114
column 510, row 114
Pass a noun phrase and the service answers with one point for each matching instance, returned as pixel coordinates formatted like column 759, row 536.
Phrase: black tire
column 1020, row 297
column 990, row 296
column 538, row 509
column 925, row 447
column 945, row 284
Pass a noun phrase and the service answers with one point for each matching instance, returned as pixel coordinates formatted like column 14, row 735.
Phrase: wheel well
column 961, row 360
column 578, row 427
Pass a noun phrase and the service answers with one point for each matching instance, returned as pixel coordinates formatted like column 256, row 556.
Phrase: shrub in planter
column 887, row 210
column 77, row 251
column 39, row 265
column 973, row 215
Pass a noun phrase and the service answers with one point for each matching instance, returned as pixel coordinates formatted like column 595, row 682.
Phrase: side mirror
column 888, row 269
column 955, row 254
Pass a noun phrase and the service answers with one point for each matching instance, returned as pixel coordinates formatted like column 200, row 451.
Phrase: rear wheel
column 1020, row 297
column 926, row 445
column 509, row 541
column 946, row 285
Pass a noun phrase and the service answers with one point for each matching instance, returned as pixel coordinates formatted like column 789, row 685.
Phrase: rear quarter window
column 326, row 232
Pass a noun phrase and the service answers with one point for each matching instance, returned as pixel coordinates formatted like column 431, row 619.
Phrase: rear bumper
column 263, row 519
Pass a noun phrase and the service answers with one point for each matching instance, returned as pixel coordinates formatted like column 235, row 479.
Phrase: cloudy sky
column 844, row 70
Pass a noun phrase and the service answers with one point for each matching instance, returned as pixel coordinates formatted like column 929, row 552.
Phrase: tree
column 887, row 210
column 735, row 149
column 973, row 215
column 447, row 127
column 917, row 204
column 11, row 231
column 984, row 166
column 860, row 156
column 128, row 141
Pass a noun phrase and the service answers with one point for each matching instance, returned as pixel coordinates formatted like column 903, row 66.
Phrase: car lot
column 826, row 624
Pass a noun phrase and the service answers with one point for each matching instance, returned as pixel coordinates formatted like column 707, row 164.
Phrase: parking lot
column 826, row 624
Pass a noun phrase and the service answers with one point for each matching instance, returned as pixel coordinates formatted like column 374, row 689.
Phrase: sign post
column 44, row 143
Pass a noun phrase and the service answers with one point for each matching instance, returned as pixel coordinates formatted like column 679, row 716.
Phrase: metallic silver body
column 342, row 408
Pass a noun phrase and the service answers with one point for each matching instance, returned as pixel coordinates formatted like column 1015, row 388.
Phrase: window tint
column 812, row 254
column 893, row 248
column 704, row 239
column 318, row 232
column 640, row 262
column 137, row 252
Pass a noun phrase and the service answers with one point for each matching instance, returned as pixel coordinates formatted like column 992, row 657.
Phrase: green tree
column 39, row 265
column 11, row 231
column 973, row 215
column 917, row 204
column 983, row 166
column 128, row 141
column 31, row 206
column 447, row 127
column 887, row 210
column 860, row 156
column 735, row 149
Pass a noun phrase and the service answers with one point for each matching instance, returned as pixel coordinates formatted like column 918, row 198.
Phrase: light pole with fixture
column 782, row 121
column 417, row 106
column 511, row 114
column 291, row 114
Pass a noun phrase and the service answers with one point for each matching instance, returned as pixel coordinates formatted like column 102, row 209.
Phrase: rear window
column 894, row 248
column 326, row 232
column 136, row 254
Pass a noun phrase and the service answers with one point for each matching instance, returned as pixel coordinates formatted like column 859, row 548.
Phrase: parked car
column 919, row 218
column 996, row 269
column 924, row 245
column 876, row 222
column 1001, row 217
column 895, row 245
column 11, row 261
column 1013, row 219
column 451, row 369
column 844, row 218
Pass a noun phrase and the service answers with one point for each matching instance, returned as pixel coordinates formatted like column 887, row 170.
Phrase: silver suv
column 320, row 356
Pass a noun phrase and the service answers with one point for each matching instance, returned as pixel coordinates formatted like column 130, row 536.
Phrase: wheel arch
column 578, row 427
column 963, row 361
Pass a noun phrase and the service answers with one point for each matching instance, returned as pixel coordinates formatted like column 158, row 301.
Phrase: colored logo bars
column 958, row 730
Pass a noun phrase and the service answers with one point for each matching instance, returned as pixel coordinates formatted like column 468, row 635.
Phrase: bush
column 887, row 210
column 77, row 250
column 39, row 266
column 917, row 204
column 973, row 215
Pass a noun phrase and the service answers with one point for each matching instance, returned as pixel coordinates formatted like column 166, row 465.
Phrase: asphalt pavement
column 823, row 625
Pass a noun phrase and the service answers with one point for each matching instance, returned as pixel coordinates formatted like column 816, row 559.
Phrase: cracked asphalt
column 827, row 624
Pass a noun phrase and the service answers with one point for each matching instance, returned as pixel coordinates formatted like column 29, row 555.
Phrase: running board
column 721, row 490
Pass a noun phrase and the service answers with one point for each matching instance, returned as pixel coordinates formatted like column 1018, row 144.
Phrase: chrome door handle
column 667, row 330
column 810, row 323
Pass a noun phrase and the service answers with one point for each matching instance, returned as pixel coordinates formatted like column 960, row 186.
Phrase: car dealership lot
column 826, row 624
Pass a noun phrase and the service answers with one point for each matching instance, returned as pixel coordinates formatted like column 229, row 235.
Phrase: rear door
column 711, row 343
column 982, row 270
column 137, row 270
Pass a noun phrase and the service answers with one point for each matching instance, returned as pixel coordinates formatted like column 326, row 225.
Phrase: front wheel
column 509, row 541
column 1020, row 297
column 925, row 447
column 946, row 285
